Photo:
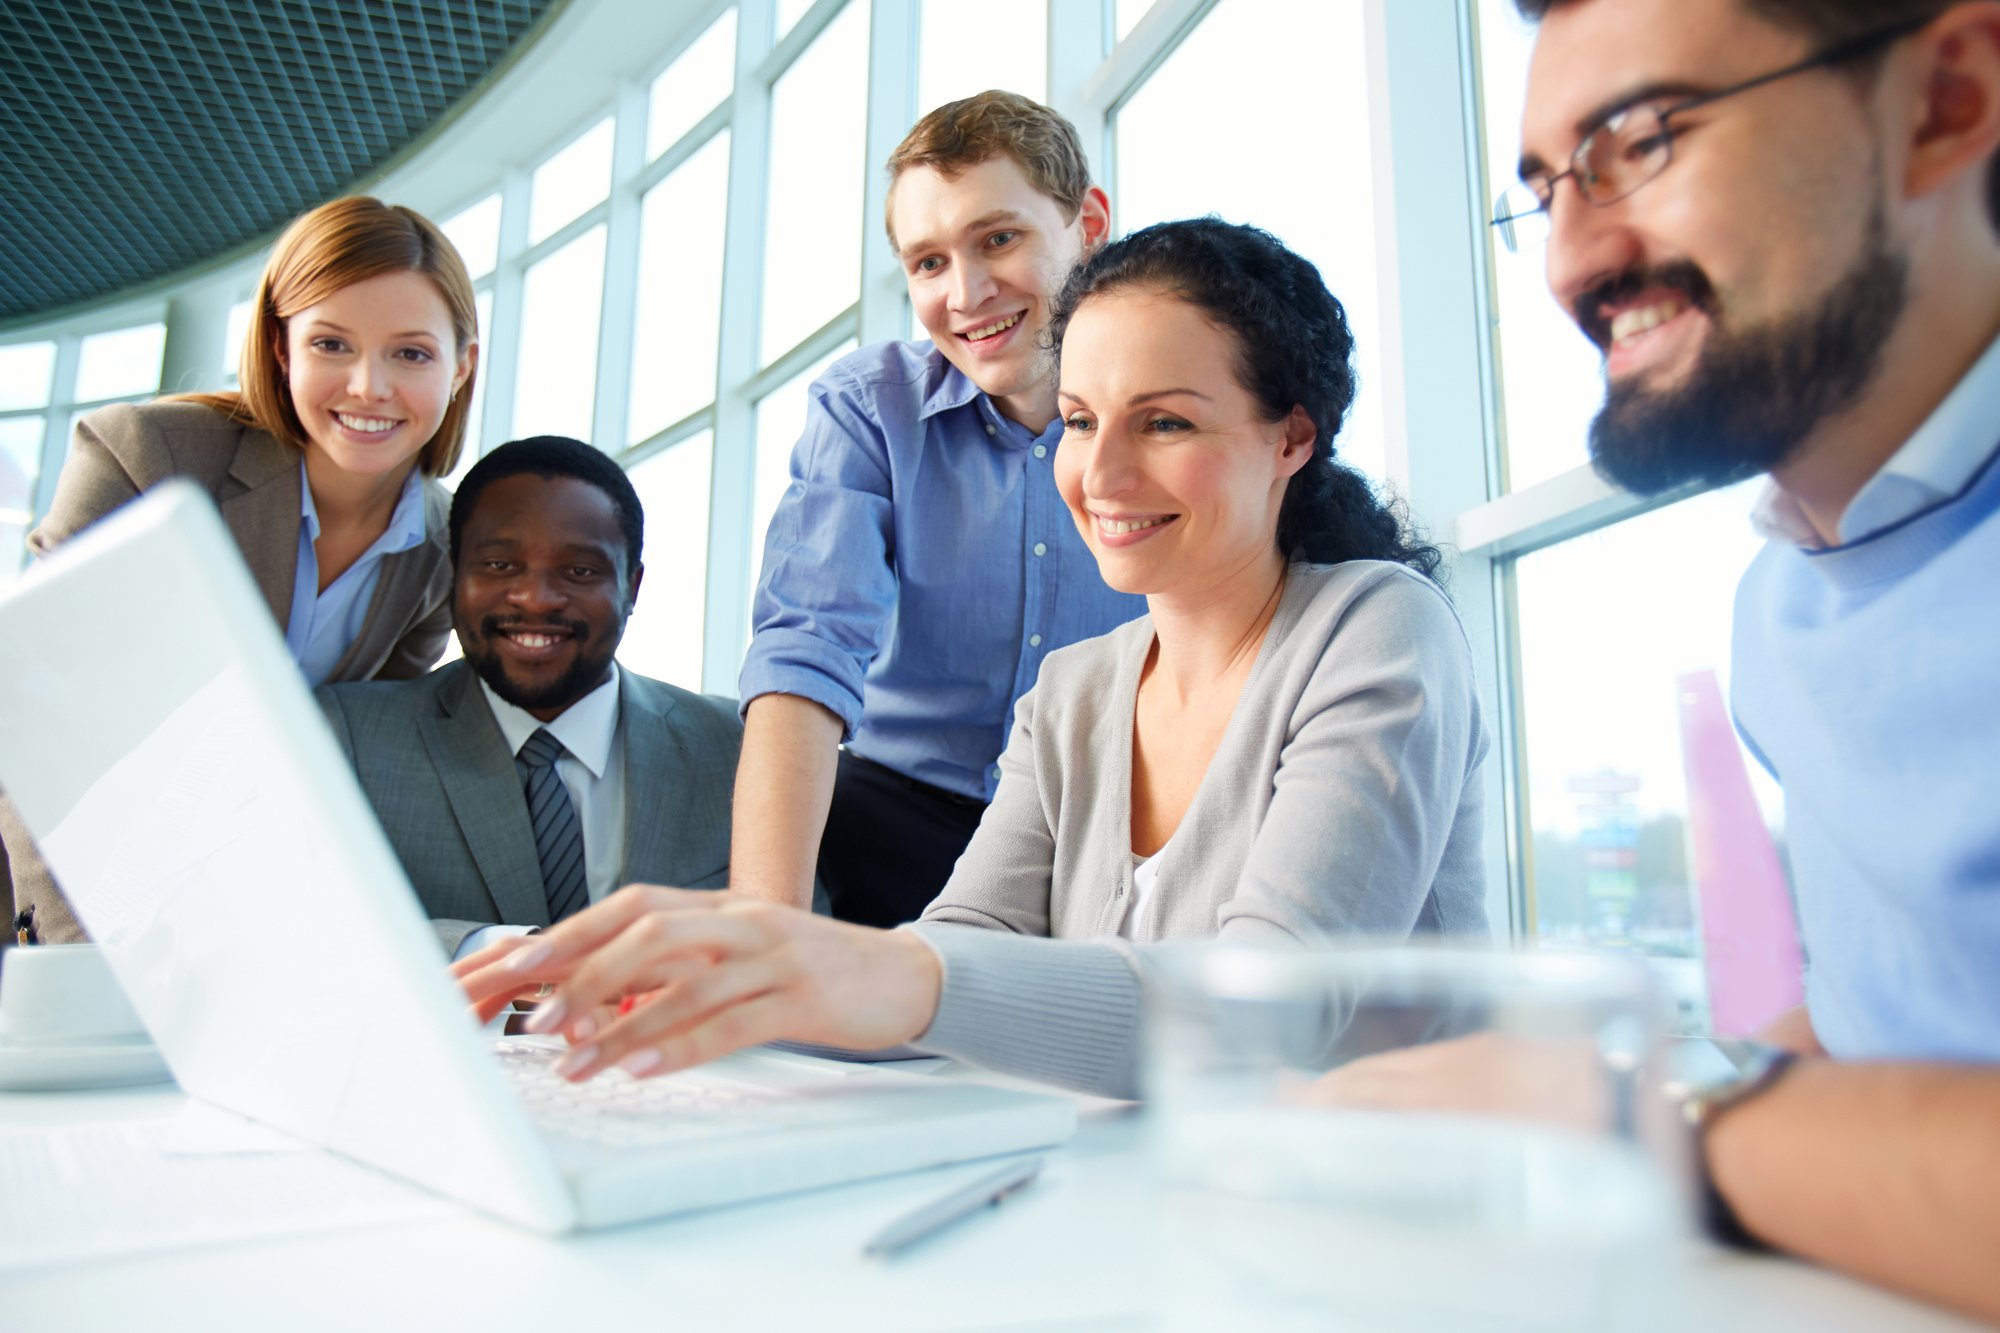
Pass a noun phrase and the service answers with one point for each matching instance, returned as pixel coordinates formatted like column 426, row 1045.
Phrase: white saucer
column 116, row 1063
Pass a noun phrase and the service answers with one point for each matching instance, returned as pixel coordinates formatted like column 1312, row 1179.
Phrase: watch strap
column 1702, row 1109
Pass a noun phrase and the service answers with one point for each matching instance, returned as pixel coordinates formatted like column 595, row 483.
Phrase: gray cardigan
column 1344, row 799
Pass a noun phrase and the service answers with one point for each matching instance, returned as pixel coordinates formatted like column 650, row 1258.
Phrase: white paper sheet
column 99, row 1190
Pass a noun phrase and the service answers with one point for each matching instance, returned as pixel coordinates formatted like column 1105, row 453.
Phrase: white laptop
column 184, row 787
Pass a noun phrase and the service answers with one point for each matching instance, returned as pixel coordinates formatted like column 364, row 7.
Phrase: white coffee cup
column 62, row 994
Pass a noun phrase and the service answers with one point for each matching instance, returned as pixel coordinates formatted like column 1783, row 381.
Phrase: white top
column 593, row 770
column 1145, row 879
column 1934, row 464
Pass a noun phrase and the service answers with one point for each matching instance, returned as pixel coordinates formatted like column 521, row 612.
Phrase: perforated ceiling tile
column 138, row 137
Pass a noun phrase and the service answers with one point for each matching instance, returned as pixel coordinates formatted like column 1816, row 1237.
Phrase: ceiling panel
column 140, row 137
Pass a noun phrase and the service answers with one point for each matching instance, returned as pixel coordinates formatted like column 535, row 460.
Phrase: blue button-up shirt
column 324, row 625
column 919, row 568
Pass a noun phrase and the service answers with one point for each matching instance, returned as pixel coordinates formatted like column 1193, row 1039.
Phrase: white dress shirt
column 593, row 769
column 1933, row 465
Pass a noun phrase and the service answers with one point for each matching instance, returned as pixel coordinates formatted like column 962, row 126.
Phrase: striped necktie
column 558, row 833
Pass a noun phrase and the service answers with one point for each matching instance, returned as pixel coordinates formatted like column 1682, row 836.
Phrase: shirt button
column 1041, row 548
column 1034, row 640
column 996, row 772
column 1041, row 451
column 991, row 430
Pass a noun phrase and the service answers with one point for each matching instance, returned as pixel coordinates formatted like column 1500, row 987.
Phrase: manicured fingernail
column 527, row 956
column 640, row 1062
column 547, row 1016
column 578, row 1060
column 585, row 1029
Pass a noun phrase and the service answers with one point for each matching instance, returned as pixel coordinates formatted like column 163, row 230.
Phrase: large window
column 555, row 377
column 1128, row 13
column 678, row 331
column 569, row 184
column 1624, row 659
column 968, row 48
column 124, row 363
column 694, row 85
column 1550, row 384
column 789, row 14
column 1182, row 156
column 26, row 372
column 475, row 233
column 47, row 384
column 1635, row 803
column 664, row 636
column 813, row 230
column 665, row 271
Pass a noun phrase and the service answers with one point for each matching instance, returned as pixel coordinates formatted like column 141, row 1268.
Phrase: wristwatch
column 1700, row 1108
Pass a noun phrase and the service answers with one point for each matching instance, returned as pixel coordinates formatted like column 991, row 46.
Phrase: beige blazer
column 126, row 449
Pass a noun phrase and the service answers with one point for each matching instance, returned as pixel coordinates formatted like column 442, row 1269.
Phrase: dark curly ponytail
column 1294, row 349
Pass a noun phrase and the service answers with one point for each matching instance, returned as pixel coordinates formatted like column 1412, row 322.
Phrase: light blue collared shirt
column 324, row 625
column 919, row 568
column 1933, row 465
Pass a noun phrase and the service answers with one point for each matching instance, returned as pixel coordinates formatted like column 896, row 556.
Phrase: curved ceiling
column 141, row 137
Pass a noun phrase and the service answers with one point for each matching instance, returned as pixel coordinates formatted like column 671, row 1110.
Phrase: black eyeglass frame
column 1545, row 191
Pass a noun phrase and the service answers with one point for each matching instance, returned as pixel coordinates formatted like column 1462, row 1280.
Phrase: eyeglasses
column 1635, row 143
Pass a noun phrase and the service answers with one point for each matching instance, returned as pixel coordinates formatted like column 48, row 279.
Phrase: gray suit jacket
column 126, row 449
column 435, row 766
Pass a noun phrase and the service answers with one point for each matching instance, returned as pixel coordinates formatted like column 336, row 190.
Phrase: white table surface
column 1079, row 1250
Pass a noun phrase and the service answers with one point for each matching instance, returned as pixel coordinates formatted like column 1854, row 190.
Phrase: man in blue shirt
column 922, row 564
column 1780, row 220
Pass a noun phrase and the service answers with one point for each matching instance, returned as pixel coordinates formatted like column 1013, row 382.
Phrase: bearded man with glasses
column 1778, row 220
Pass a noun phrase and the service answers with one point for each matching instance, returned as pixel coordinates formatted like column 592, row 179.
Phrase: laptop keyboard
column 619, row 1111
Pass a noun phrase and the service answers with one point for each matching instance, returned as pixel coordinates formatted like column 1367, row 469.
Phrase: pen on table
column 934, row 1217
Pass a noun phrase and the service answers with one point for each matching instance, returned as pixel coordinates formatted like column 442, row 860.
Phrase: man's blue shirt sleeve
column 829, row 583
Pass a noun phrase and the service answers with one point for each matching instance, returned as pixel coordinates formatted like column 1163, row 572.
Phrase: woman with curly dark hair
column 1286, row 747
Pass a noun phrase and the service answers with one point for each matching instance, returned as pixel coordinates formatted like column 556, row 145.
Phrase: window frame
column 1441, row 395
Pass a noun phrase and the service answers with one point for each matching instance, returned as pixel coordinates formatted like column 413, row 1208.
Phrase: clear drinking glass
column 1410, row 1138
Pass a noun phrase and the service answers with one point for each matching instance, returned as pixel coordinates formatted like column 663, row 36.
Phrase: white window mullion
column 1078, row 36
column 55, row 439
column 892, row 76
column 1435, row 390
column 498, row 359
column 1567, row 505
column 621, row 275
column 734, row 474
